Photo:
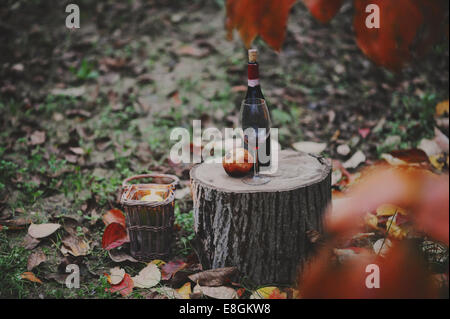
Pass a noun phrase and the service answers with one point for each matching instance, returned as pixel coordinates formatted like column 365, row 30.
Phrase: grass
column 412, row 120
column 13, row 262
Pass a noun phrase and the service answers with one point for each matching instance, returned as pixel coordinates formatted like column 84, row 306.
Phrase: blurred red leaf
column 268, row 18
column 432, row 215
column 114, row 236
column 169, row 269
column 323, row 10
column 406, row 27
column 419, row 191
column 125, row 287
column 114, row 216
column 327, row 279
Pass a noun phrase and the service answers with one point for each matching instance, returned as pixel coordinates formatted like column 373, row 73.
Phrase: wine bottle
column 254, row 91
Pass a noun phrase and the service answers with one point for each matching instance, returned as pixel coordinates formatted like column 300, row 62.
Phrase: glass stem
column 255, row 166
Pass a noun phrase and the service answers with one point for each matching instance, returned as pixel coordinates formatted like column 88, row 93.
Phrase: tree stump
column 262, row 230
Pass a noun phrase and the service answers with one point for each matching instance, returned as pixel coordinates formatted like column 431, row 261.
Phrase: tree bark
column 262, row 230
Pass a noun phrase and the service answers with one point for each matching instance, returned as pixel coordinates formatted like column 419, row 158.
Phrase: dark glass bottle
column 254, row 91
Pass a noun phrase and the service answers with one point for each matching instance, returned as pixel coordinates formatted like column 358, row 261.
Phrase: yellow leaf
column 371, row 220
column 442, row 108
column 263, row 293
column 31, row 277
column 395, row 231
column 158, row 262
column 390, row 210
column 185, row 291
column 437, row 162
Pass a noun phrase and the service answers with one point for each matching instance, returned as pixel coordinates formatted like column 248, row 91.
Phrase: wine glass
column 255, row 122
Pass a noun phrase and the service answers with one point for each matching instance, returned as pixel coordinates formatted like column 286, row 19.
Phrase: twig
column 387, row 231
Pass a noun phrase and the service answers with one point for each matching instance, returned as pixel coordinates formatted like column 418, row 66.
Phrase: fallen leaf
column 125, row 287
column 31, row 277
column 158, row 262
column 277, row 294
column 30, row 242
column 442, row 108
column 382, row 246
column 169, row 269
column 119, row 256
column 442, row 140
column 75, row 245
column 114, row 236
column 42, row 230
column 263, row 293
column 411, row 155
column 364, row 132
column 114, row 216
column 217, row 292
column 116, row 275
column 390, row 210
column 185, row 291
column 35, row 259
column 77, row 150
column 215, row 277
column 371, row 220
column 148, row 277
column 357, row 159
column 73, row 92
column 37, row 138
column 395, row 230
column 343, row 150
column 193, row 51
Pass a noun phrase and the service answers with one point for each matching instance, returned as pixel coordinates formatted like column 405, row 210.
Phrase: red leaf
column 326, row 279
column 114, row 236
column 125, row 287
column 411, row 155
column 114, row 216
column 169, row 269
column 268, row 18
column 323, row 10
column 364, row 132
column 406, row 27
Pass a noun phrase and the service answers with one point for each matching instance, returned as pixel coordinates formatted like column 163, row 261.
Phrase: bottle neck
column 253, row 74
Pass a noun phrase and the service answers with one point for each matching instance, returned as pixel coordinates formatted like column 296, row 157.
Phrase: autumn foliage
column 419, row 194
column 407, row 27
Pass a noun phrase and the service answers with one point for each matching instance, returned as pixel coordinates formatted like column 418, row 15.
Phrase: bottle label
column 253, row 75
column 253, row 83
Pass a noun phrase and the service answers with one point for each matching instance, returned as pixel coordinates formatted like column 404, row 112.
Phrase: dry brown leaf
column 221, row 292
column 30, row 242
column 119, row 256
column 214, row 277
column 35, row 259
column 75, row 245
column 37, row 138
column 42, row 230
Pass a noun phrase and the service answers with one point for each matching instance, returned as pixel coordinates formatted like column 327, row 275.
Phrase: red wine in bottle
column 254, row 92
